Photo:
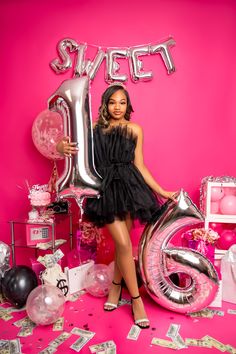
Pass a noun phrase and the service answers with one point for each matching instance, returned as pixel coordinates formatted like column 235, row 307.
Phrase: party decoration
column 4, row 258
column 73, row 101
column 228, row 273
column 158, row 261
column 228, row 205
column 216, row 193
column 45, row 304
column 47, row 130
column 227, row 239
column 98, row 280
column 17, row 283
column 202, row 240
column 89, row 67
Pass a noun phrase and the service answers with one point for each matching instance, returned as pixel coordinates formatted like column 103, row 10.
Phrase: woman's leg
column 114, row 292
column 126, row 265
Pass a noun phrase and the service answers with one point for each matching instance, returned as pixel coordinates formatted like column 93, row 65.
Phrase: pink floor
column 87, row 313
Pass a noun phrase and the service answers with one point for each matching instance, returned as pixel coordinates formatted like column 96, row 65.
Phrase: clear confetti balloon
column 98, row 280
column 45, row 304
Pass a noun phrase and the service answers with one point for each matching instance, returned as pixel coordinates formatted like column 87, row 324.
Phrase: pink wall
column 188, row 117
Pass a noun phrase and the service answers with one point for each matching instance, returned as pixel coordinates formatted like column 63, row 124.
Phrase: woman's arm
column 139, row 163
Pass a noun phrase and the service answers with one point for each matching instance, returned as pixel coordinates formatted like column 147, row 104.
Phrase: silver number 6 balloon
column 72, row 101
column 158, row 260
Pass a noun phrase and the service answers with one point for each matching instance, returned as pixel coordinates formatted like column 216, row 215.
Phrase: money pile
column 84, row 338
column 206, row 313
column 108, row 347
column 48, row 245
column 10, row 346
column 49, row 260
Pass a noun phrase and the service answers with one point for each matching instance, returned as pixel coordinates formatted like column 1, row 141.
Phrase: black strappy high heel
column 141, row 320
column 109, row 306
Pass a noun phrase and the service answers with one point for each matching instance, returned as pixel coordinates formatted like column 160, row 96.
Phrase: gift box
column 201, row 240
column 228, row 273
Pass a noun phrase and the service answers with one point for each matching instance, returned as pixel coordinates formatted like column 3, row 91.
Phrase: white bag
column 228, row 273
column 55, row 276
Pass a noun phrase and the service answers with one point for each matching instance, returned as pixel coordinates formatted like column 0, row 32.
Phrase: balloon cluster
column 223, row 200
column 227, row 234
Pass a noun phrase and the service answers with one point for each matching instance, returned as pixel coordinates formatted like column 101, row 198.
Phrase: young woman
column 127, row 192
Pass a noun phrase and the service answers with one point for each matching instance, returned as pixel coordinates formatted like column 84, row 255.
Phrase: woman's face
column 117, row 105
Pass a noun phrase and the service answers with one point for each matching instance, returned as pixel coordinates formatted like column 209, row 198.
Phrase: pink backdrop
column 188, row 117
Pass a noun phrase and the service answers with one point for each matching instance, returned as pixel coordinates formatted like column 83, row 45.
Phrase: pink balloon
column 227, row 239
column 215, row 207
column 216, row 193
column 229, row 190
column 217, row 227
column 228, row 205
column 47, row 130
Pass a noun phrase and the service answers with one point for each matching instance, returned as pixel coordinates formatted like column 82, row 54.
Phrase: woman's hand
column 66, row 147
column 169, row 195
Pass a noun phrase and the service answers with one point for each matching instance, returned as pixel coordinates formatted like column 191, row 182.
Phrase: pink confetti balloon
column 98, row 280
column 45, row 304
column 47, row 130
column 215, row 207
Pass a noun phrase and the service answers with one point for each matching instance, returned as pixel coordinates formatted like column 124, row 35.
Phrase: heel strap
column 135, row 297
column 113, row 282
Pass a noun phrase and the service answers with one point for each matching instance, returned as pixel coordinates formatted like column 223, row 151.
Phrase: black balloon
column 17, row 283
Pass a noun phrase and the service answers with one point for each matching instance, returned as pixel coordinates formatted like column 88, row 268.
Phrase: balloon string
column 53, row 178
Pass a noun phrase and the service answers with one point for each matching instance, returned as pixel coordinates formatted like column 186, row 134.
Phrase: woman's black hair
column 104, row 117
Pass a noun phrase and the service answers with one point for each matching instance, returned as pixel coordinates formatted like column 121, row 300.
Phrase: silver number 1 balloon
column 72, row 101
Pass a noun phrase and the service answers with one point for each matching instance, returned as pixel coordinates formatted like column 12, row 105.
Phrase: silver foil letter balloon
column 72, row 101
column 158, row 260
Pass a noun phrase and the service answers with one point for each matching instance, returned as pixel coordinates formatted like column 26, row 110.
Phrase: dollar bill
column 124, row 302
column 214, row 343
column 207, row 313
column 82, row 332
column 108, row 347
column 15, row 347
column 59, row 324
column 26, row 330
column 218, row 312
column 59, row 340
column 80, row 343
column 230, row 349
column 178, row 340
column 48, row 245
column 197, row 342
column 74, row 297
column 5, row 316
column 25, row 321
column 134, row 332
column 173, row 330
column 231, row 312
column 48, row 350
column 164, row 343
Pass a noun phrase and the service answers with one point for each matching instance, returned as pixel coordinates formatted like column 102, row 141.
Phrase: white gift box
column 76, row 276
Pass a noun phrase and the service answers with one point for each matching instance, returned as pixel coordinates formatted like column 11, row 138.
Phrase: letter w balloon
column 72, row 101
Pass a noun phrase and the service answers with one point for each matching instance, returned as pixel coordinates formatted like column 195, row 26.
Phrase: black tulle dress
column 123, row 190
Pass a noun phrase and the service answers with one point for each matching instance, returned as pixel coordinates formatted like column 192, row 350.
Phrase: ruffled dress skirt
column 123, row 190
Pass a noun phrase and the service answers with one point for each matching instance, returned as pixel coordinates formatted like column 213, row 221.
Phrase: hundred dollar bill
column 230, row 349
column 218, row 312
column 178, row 340
column 124, row 302
column 215, row 343
column 59, row 324
column 74, row 297
column 26, row 331
column 207, row 313
column 5, row 346
column 231, row 312
column 80, row 343
column 164, row 343
column 108, row 347
column 4, row 315
column 15, row 347
column 173, row 330
column 82, row 332
column 25, row 321
column 48, row 245
column 59, row 340
column 197, row 342
column 48, row 350
column 134, row 332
